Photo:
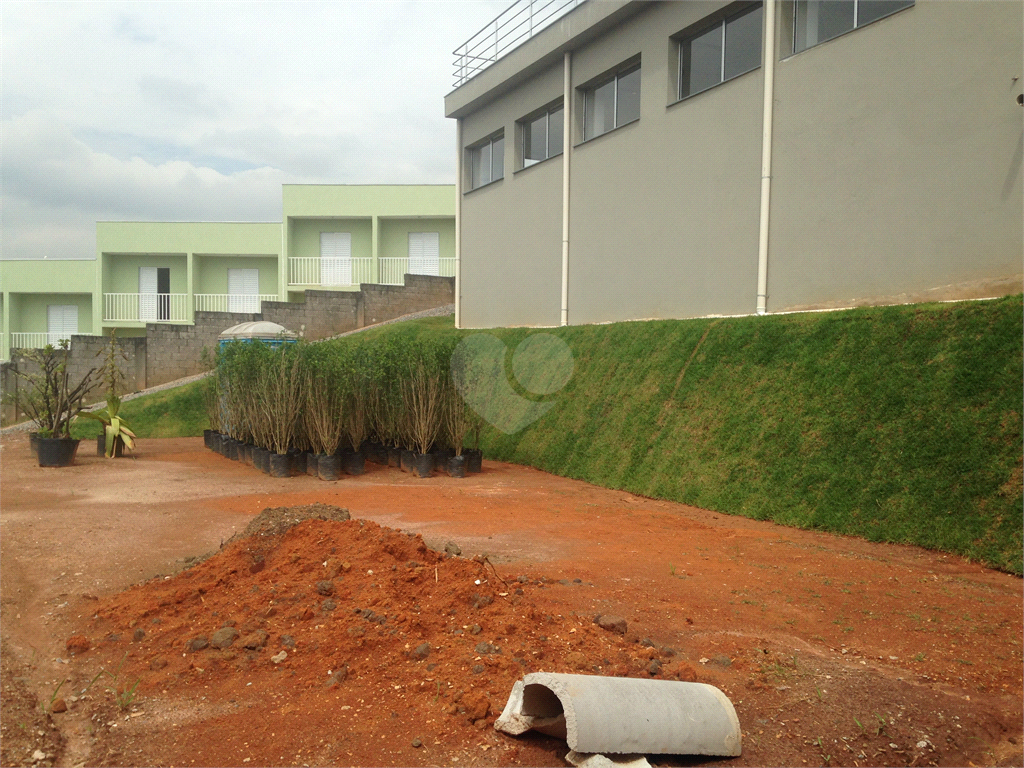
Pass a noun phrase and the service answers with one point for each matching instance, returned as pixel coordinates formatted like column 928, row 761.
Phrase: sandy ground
column 833, row 650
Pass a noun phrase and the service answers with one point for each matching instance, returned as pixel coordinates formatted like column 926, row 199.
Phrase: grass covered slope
column 177, row 412
column 899, row 424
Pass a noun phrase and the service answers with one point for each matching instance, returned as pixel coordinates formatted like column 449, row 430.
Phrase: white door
column 335, row 258
column 147, row 293
column 243, row 290
column 61, row 322
column 424, row 253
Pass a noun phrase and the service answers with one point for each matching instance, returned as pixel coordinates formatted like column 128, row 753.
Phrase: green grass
column 896, row 424
column 175, row 412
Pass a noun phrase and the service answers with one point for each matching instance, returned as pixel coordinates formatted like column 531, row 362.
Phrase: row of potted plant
column 340, row 403
column 344, row 462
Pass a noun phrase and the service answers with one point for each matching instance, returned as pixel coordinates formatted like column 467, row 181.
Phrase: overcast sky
column 199, row 111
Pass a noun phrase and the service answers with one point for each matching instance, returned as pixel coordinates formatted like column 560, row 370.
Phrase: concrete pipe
column 621, row 715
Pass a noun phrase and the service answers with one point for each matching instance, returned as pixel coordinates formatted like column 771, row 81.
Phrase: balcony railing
column 231, row 302
column 393, row 270
column 329, row 271
column 34, row 340
column 146, row 307
column 512, row 27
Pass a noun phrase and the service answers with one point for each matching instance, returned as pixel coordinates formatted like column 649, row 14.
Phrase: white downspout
column 766, row 156
column 566, row 153
column 458, row 222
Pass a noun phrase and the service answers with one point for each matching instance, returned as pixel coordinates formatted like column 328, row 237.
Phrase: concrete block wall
column 420, row 292
column 176, row 351
column 322, row 314
column 85, row 354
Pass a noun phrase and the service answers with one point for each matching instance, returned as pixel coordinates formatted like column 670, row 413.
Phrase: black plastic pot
column 245, row 453
column 231, row 449
column 329, row 467
column 354, row 463
column 408, row 460
column 298, row 461
column 376, row 453
column 259, row 458
column 441, row 456
column 57, row 451
column 101, row 445
column 280, row 465
column 312, row 464
column 208, row 437
column 474, row 459
column 423, row 464
column 457, row 466
column 394, row 456
column 221, row 446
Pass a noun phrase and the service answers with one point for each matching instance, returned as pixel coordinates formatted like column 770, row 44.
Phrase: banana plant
column 114, row 427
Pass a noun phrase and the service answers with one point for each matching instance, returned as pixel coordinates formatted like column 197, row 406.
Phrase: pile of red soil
column 327, row 617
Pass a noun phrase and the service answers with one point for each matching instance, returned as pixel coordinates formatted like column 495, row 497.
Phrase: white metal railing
column 393, row 270
column 316, row 270
column 231, row 302
column 34, row 340
column 146, row 307
column 513, row 26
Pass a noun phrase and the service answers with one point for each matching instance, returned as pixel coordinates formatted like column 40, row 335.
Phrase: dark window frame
column 718, row 21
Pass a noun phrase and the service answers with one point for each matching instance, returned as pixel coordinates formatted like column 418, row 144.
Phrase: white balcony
column 394, row 270
column 314, row 271
column 329, row 272
column 231, row 302
column 34, row 340
column 146, row 307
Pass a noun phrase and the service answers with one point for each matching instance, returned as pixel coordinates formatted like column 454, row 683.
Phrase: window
column 424, row 253
column 728, row 49
column 816, row 21
column 487, row 162
column 542, row 136
column 61, row 323
column 243, row 290
column 335, row 258
column 612, row 103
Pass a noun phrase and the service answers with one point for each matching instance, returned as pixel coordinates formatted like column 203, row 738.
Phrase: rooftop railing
column 512, row 27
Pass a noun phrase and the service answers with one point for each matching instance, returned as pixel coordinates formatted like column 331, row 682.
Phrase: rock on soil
column 77, row 644
column 611, row 623
column 223, row 637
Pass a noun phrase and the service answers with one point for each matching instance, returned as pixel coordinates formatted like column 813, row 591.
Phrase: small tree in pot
column 53, row 402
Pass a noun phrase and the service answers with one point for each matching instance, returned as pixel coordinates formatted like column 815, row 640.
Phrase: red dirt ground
column 833, row 650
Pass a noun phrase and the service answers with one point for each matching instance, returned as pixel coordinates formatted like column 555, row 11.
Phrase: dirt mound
column 359, row 612
column 273, row 521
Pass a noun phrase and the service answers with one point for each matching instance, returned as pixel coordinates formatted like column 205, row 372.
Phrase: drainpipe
column 766, row 156
column 566, row 152
column 458, row 222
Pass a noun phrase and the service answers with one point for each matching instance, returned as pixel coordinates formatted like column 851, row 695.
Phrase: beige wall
column 898, row 158
column 897, row 171
column 512, row 229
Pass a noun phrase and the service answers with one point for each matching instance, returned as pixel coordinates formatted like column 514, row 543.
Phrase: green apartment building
column 331, row 237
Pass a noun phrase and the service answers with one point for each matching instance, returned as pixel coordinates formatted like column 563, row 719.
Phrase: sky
column 200, row 111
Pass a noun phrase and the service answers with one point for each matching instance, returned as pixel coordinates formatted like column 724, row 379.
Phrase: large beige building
column 624, row 159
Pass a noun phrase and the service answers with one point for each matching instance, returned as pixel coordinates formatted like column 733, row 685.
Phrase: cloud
column 200, row 111
column 56, row 187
